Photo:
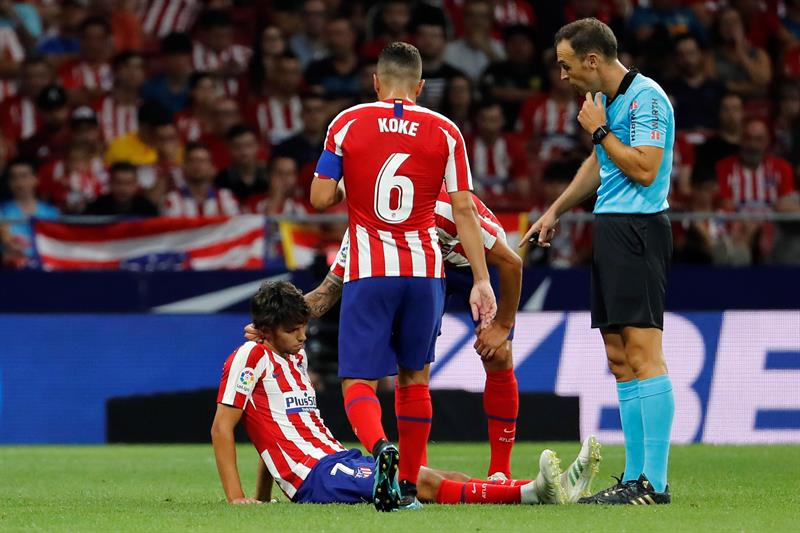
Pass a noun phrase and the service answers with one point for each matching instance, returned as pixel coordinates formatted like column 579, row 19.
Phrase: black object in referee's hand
column 534, row 237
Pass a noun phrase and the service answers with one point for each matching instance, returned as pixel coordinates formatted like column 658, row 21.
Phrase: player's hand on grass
column 244, row 501
column 482, row 302
column 543, row 229
column 252, row 334
column 490, row 339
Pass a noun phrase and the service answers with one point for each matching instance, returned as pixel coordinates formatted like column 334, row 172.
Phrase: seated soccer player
column 265, row 386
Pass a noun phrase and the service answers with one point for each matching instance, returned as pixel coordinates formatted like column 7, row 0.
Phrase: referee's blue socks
column 658, row 408
column 630, row 413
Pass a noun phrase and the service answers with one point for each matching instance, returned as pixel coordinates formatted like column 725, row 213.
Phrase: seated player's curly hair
column 278, row 303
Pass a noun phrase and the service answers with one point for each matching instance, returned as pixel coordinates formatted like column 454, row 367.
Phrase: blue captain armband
column 329, row 165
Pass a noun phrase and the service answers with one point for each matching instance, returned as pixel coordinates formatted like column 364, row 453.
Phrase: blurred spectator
column 126, row 28
column 60, row 39
column 663, row 19
column 502, row 13
column 431, row 39
column 694, row 95
column 519, row 77
column 683, row 156
column 762, row 25
column 599, row 9
column 548, row 121
column 724, row 143
column 89, row 75
column 309, row 44
column 74, row 181
column 23, row 205
column 275, row 110
column 19, row 118
column 571, row 245
column 284, row 196
column 246, row 175
column 117, row 111
column 306, row 146
column 159, row 18
column 787, row 115
column 457, row 102
column 336, row 76
column 51, row 139
column 171, row 87
column 392, row 25
column 123, row 198
column 742, row 67
column 154, row 149
column 755, row 180
column 216, row 52
column 366, row 83
column 791, row 18
column 20, row 27
column 196, row 119
column 225, row 116
column 497, row 159
column 477, row 49
column 85, row 130
column 269, row 46
column 198, row 197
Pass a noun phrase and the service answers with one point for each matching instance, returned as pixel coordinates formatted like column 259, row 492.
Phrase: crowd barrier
column 736, row 374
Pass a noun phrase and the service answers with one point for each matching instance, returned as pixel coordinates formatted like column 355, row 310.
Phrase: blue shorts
column 344, row 477
column 459, row 285
column 386, row 323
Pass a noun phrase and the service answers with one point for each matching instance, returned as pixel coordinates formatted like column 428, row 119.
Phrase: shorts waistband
column 631, row 215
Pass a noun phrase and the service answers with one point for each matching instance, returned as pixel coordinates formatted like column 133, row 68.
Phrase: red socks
column 414, row 412
column 501, row 404
column 364, row 413
column 482, row 492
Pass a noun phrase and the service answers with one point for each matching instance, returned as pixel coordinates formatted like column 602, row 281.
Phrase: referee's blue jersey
column 639, row 115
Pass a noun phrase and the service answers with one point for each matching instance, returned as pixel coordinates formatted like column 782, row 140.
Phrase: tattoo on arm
column 321, row 299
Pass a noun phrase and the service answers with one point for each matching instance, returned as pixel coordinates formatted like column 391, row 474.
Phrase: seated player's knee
column 502, row 359
column 428, row 482
column 407, row 376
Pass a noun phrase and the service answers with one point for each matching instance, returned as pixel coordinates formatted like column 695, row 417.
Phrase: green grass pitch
column 175, row 488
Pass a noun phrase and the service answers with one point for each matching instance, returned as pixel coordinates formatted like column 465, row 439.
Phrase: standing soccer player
column 394, row 156
column 632, row 125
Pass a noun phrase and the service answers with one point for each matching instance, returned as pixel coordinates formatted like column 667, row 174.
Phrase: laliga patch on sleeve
column 246, row 381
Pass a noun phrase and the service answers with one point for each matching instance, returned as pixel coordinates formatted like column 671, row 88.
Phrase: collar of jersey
column 624, row 84
column 404, row 101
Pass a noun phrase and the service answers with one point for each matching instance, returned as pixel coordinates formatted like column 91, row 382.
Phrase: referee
column 631, row 122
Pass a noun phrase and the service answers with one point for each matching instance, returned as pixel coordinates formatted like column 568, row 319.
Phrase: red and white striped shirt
column 496, row 165
column 219, row 202
column 277, row 120
column 115, row 119
column 78, row 74
column 452, row 251
column 551, row 125
column 18, row 118
column 188, row 125
column 394, row 157
column 159, row 18
column 756, row 187
column 205, row 59
column 280, row 411
column 73, row 189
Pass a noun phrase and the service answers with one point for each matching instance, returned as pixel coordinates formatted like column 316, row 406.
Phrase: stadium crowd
column 219, row 107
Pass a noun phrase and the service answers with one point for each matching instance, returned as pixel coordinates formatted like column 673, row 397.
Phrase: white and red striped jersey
column 18, row 118
column 219, row 202
column 189, row 126
column 280, row 411
column 115, row 119
column 756, row 187
column 79, row 74
column 277, row 120
column 552, row 126
column 205, row 59
column 159, row 18
column 495, row 164
column 72, row 189
column 452, row 251
column 394, row 157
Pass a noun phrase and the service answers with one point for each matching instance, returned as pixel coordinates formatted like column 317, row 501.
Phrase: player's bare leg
column 501, row 405
column 414, row 412
column 363, row 411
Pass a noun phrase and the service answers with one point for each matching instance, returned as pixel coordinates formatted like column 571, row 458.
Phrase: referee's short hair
column 589, row 35
column 278, row 303
column 400, row 62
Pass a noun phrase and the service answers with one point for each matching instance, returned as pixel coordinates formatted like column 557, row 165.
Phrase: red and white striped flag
column 153, row 244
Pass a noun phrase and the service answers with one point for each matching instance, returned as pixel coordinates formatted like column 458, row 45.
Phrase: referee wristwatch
column 600, row 134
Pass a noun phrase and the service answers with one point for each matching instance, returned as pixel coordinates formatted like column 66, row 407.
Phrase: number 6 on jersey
column 387, row 183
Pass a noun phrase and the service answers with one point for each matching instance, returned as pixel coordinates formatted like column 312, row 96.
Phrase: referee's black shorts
column 630, row 259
